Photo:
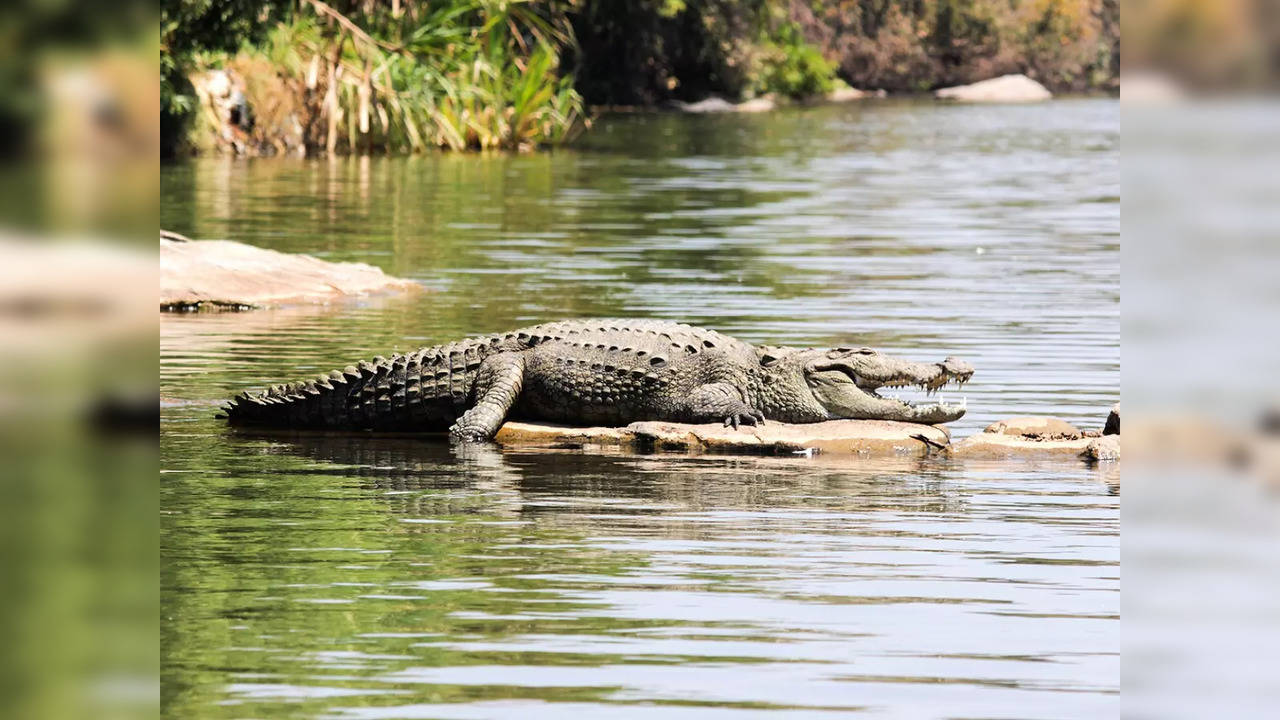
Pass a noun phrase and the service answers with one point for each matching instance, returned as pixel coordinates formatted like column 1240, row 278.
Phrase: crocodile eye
column 767, row 360
column 837, row 353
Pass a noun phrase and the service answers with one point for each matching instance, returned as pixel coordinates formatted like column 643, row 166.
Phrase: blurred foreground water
column 354, row 577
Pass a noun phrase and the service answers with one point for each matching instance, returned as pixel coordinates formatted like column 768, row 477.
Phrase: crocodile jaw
column 842, row 398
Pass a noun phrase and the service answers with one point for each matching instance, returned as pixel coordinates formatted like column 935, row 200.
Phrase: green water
column 399, row 578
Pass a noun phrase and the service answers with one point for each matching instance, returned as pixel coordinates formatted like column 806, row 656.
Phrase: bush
column 790, row 66
column 923, row 44
column 460, row 74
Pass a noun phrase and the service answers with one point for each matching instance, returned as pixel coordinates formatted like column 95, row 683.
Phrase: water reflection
column 394, row 570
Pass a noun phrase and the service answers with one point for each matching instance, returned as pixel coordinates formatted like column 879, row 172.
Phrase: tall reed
column 458, row 75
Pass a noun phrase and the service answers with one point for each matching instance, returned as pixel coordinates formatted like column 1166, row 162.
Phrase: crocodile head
column 847, row 383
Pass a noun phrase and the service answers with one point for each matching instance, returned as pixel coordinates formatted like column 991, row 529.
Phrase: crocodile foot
column 744, row 417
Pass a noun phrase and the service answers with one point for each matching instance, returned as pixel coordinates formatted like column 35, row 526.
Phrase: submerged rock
column 849, row 437
column 195, row 273
column 1003, row 89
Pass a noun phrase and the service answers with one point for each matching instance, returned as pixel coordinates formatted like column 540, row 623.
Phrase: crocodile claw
column 748, row 417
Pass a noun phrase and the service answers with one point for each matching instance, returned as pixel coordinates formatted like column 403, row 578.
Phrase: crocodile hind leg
column 497, row 385
column 719, row 401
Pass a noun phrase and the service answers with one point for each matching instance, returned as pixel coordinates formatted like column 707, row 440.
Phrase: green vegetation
column 913, row 45
column 362, row 76
column 406, row 75
column 790, row 66
column 648, row 51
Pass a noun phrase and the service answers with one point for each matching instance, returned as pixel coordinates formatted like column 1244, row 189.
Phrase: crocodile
column 602, row 372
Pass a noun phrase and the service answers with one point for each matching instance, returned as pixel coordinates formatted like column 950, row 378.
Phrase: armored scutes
column 601, row 372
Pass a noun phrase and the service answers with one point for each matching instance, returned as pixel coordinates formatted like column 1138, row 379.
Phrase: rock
column 846, row 94
column 546, row 435
column 1004, row 89
column 221, row 95
column 1149, row 88
column 65, row 299
column 1105, row 448
column 1036, row 428
column 848, row 437
column 231, row 274
column 996, row 445
column 706, row 105
column 1024, row 436
column 218, row 83
column 1268, row 422
column 1113, row 421
column 720, row 105
column 760, row 104
column 861, row 437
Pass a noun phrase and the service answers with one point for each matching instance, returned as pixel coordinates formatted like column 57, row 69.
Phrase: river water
column 402, row 578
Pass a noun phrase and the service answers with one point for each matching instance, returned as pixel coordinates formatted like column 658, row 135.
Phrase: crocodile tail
column 325, row 402
column 414, row 391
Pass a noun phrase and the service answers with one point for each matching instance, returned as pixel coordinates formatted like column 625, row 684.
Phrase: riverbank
column 467, row 75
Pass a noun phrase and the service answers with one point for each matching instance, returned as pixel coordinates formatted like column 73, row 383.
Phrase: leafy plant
column 790, row 66
column 463, row 74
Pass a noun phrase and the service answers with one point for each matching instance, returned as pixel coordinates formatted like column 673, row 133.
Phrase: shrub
column 787, row 65
column 461, row 74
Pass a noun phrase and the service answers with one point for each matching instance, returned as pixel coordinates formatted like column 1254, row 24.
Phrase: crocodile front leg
column 722, row 402
column 498, row 383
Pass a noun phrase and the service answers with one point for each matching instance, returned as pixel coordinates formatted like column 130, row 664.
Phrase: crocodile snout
column 957, row 368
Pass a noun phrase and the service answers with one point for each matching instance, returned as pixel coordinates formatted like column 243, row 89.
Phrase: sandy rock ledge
column 222, row 273
column 985, row 445
column 871, row 438
column 1039, row 438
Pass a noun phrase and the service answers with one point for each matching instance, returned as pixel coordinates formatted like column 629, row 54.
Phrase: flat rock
column 706, row 105
column 720, row 105
column 1003, row 89
column 760, row 104
column 1148, row 88
column 1036, row 428
column 547, row 435
column 232, row 274
column 846, row 94
column 1024, row 436
column 848, row 437
column 997, row 446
